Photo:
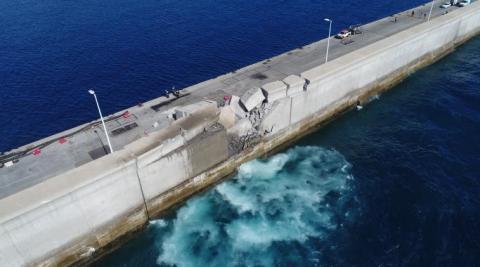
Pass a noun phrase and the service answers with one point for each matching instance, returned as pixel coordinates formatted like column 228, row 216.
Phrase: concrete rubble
column 252, row 98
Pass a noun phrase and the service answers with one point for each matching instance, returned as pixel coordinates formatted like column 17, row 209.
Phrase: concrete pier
column 63, row 199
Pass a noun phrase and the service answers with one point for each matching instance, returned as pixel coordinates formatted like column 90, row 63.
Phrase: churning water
column 273, row 212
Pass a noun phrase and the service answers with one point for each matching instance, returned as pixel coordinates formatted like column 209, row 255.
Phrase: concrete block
column 252, row 98
column 227, row 117
column 300, row 108
column 237, row 107
column 274, row 91
column 278, row 118
column 295, row 84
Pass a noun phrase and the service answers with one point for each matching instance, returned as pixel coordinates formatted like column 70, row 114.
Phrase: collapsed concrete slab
column 274, row 91
column 278, row 118
column 252, row 98
column 295, row 84
column 237, row 107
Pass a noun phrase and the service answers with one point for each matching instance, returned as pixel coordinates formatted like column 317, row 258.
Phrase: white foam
column 270, row 203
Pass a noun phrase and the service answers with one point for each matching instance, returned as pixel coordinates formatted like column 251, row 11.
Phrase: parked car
column 446, row 5
column 355, row 29
column 464, row 3
column 343, row 34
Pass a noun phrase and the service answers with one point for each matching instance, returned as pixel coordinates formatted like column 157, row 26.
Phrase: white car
column 446, row 5
column 343, row 34
column 465, row 3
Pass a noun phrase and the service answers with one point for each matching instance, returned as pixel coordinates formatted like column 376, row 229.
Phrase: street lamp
column 431, row 8
column 328, row 40
column 101, row 117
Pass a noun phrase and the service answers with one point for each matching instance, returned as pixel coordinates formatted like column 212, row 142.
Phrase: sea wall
column 69, row 218
column 366, row 67
column 71, row 214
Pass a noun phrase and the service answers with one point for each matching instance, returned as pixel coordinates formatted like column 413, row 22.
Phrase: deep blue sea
column 395, row 184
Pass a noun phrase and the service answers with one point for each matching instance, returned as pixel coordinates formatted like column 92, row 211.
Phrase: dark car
column 355, row 29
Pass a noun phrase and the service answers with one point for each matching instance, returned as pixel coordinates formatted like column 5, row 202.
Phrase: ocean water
column 395, row 184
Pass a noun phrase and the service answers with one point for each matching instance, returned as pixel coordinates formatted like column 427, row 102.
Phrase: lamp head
column 91, row 92
column 327, row 20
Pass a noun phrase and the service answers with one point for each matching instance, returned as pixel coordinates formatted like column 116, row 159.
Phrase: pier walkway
column 31, row 164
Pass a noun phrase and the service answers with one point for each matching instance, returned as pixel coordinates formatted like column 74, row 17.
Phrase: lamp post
column 101, row 117
column 328, row 40
column 431, row 8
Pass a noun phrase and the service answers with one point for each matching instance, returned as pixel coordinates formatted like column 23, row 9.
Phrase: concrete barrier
column 274, row 90
column 295, row 85
column 301, row 107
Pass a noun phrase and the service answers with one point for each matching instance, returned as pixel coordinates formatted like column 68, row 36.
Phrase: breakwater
column 96, row 193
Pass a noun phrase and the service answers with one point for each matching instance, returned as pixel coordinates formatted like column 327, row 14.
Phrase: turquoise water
column 270, row 206
column 396, row 184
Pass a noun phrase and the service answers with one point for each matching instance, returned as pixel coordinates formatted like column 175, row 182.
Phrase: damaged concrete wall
column 68, row 217
column 207, row 150
column 278, row 118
